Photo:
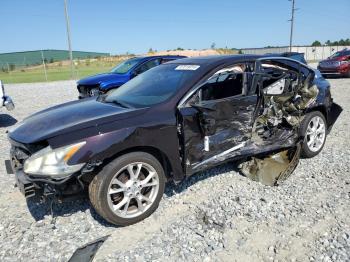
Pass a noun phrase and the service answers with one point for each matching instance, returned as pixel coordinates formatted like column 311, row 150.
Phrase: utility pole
column 43, row 59
column 291, row 26
column 69, row 39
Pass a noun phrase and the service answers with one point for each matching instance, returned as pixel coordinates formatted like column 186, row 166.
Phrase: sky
column 117, row 26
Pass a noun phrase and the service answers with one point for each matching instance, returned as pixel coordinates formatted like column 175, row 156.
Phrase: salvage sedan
column 169, row 123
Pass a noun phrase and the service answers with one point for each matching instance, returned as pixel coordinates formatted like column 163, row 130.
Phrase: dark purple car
column 171, row 122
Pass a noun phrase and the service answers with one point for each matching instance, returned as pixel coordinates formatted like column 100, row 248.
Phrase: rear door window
column 280, row 76
column 227, row 82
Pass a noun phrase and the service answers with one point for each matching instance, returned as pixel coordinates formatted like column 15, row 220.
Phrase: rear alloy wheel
column 315, row 131
column 128, row 189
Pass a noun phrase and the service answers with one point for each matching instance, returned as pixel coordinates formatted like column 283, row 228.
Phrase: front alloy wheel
column 133, row 190
column 128, row 189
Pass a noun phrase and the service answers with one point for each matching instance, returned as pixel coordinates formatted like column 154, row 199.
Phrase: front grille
column 88, row 90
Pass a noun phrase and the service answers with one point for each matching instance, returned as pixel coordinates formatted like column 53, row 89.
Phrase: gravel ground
column 217, row 215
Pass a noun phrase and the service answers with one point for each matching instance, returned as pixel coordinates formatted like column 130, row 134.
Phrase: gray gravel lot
column 217, row 215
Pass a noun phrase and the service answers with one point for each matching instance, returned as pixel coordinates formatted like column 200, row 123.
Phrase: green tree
column 213, row 45
column 342, row 42
column 328, row 42
column 316, row 43
column 12, row 67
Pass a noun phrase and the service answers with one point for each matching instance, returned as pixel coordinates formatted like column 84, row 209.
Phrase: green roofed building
column 29, row 58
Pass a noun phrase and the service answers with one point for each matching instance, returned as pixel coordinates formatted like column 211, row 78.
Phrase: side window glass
column 165, row 60
column 225, row 83
column 148, row 65
column 280, row 76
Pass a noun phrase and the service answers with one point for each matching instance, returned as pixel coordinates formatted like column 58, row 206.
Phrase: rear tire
column 128, row 189
column 314, row 129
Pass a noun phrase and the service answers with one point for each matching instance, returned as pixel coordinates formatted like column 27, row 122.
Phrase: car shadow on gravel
column 53, row 209
column 7, row 120
column 173, row 189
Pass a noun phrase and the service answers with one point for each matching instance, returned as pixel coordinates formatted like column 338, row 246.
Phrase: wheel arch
column 157, row 153
column 320, row 108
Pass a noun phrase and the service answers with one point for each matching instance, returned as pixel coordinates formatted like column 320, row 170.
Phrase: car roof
column 211, row 61
column 144, row 58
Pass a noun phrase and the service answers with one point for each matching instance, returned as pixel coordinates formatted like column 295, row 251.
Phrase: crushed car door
column 217, row 121
column 278, row 81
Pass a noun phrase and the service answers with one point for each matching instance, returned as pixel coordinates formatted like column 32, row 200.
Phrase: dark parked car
column 122, row 73
column 292, row 55
column 170, row 122
column 337, row 64
column 6, row 101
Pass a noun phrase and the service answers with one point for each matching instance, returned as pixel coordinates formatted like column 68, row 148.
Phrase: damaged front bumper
column 24, row 184
column 42, row 188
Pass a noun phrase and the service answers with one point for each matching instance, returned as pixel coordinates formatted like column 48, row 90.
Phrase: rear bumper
column 333, row 115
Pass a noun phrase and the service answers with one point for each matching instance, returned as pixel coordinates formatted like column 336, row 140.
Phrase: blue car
column 122, row 73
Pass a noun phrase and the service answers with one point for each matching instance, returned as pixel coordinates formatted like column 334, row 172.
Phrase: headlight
column 53, row 162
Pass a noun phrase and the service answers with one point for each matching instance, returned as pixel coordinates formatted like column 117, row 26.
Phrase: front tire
column 314, row 129
column 128, row 189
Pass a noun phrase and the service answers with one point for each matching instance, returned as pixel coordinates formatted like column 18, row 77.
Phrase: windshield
column 125, row 66
column 298, row 57
column 339, row 54
column 152, row 87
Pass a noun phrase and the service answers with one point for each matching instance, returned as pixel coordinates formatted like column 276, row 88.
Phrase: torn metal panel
column 272, row 169
column 87, row 252
column 212, row 127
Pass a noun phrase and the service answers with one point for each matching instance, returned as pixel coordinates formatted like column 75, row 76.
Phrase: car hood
column 68, row 117
column 104, row 79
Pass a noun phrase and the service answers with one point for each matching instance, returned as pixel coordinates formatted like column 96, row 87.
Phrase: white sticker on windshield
column 187, row 67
